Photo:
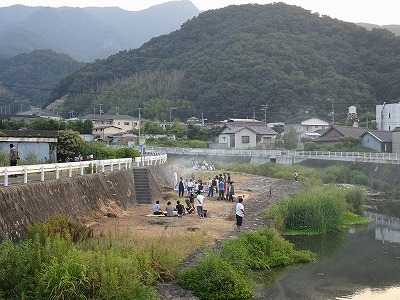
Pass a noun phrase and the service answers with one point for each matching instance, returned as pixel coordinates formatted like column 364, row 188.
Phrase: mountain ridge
column 90, row 33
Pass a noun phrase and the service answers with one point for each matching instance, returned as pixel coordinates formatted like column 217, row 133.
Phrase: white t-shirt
column 239, row 208
column 200, row 200
column 190, row 184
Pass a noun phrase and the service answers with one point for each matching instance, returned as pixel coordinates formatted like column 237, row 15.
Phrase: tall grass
column 50, row 264
column 318, row 209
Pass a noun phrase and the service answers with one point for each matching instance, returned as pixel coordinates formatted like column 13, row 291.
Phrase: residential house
column 388, row 116
column 247, row 135
column 334, row 134
column 104, row 132
column 308, row 128
column 125, row 122
column 378, row 140
column 38, row 145
column 396, row 140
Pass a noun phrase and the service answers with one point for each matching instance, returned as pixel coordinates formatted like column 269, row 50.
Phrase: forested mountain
column 228, row 62
column 87, row 34
column 393, row 28
column 27, row 78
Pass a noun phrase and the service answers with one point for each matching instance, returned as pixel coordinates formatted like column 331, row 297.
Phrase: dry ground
column 219, row 224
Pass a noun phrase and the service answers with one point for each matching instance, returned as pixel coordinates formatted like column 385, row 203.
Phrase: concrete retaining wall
column 21, row 205
column 389, row 173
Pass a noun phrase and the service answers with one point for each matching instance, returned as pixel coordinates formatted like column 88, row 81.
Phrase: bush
column 262, row 249
column 355, row 199
column 214, row 278
column 358, row 177
column 59, row 225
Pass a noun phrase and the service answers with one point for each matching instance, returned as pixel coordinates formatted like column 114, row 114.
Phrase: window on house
column 126, row 123
column 245, row 139
column 389, row 115
column 118, row 123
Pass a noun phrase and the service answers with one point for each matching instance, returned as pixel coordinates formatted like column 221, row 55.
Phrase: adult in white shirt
column 239, row 213
column 200, row 202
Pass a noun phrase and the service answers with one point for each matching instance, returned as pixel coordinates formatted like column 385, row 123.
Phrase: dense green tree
column 290, row 138
column 69, row 145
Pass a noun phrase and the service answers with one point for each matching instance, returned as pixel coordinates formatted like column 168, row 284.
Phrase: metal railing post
column 25, row 175
column 41, row 173
column 57, row 172
column 5, row 177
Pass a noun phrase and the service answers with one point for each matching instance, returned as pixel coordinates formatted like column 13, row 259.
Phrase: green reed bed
column 48, row 264
column 222, row 274
column 318, row 210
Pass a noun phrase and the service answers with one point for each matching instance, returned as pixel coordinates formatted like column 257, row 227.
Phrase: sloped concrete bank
column 21, row 205
column 389, row 173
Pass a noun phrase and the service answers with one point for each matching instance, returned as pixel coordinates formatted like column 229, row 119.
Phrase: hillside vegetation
column 230, row 61
column 27, row 78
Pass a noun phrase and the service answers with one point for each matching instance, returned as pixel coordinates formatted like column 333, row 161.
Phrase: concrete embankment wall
column 21, row 205
column 389, row 173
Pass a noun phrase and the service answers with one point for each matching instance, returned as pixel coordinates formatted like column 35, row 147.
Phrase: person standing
column 230, row 192
column 13, row 157
column 239, row 213
column 175, row 179
column 210, row 187
column 181, row 187
column 200, row 202
column 221, row 188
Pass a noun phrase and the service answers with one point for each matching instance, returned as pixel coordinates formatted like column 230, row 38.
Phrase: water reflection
column 387, row 229
column 362, row 263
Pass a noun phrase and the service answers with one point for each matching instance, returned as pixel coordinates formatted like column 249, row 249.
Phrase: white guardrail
column 81, row 167
column 367, row 156
column 92, row 166
column 150, row 159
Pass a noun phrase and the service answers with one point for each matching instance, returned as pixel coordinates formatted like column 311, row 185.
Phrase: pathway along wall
column 21, row 205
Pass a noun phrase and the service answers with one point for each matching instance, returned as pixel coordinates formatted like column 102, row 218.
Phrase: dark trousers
column 210, row 191
column 181, row 191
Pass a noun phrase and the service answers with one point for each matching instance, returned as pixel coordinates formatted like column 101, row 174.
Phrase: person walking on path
column 296, row 176
column 239, row 213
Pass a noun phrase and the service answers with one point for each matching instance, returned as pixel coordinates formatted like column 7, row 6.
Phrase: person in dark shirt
column 180, row 208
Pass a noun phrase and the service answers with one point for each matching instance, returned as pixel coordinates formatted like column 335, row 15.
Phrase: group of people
column 204, row 166
column 221, row 185
column 179, row 209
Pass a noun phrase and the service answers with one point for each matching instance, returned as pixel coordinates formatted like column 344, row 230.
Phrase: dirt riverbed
column 218, row 225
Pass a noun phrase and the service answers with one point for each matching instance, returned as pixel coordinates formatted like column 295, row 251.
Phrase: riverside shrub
column 319, row 209
column 215, row 279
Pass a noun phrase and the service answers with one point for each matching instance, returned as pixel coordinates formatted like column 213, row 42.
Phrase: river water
column 362, row 263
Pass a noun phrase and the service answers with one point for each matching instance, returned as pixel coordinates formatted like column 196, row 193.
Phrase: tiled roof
column 381, row 135
column 108, row 117
column 256, row 128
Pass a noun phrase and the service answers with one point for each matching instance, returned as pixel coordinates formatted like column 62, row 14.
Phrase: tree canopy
column 228, row 62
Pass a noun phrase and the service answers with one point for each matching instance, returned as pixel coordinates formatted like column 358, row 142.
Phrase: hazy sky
column 381, row 12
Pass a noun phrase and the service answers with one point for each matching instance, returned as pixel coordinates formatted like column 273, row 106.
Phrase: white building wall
column 245, row 132
column 388, row 116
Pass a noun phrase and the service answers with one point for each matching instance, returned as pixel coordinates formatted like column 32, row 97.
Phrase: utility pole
column 139, row 123
column 332, row 111
column 100, row 111
column 170, row 113
column 202, row 119
column 264, row 108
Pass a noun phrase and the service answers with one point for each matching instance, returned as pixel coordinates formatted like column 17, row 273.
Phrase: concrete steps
column 142, row 186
